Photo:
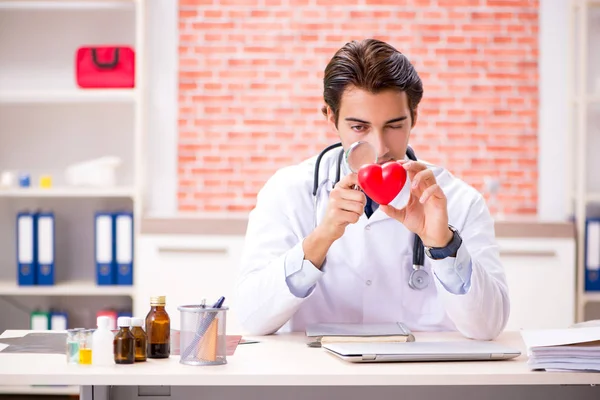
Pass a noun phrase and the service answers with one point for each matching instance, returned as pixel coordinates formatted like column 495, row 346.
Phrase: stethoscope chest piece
column 419, row 278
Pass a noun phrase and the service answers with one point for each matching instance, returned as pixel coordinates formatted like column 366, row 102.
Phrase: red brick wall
column 250, row 89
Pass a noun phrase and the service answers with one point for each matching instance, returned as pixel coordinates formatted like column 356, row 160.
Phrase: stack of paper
column 563, row 349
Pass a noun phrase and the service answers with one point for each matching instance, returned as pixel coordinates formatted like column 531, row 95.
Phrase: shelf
column 68, row 192
column 593, row 197
column 63, row 4
column 589, row 99
column 590, row 296
column 75, row 288
column 68, row 96
column 40, row 390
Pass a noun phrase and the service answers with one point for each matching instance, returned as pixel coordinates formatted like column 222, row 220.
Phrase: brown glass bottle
column 124, row 344
column 158, row 329
column 140, row 339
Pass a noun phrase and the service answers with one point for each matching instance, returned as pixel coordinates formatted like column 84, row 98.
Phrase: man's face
column 382, row 119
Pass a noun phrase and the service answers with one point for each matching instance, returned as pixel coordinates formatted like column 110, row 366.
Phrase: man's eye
column 358, row 128
column 396, row 126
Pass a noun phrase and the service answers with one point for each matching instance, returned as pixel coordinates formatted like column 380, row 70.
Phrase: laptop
column 421, row 351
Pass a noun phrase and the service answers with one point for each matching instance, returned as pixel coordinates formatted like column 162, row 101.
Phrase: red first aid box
column 105, row 67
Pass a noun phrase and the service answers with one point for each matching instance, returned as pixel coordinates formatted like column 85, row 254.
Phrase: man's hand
column 345, row 207
column 426, row 213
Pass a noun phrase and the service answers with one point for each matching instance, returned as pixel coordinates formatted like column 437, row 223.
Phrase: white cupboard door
column 188, row 269
column 541, row 282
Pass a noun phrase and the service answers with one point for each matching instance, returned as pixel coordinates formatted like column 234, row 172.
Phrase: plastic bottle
column 102, row 343
column 158, row 329
column 140, row 338
column 124, row 345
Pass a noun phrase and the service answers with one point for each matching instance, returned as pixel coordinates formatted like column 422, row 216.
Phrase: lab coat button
column 368, row 227
column 368, row 283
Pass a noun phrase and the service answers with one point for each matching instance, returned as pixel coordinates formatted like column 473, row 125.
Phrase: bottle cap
column 137, row 322
column 158, row 300
column 103, row 322
column 124, row 322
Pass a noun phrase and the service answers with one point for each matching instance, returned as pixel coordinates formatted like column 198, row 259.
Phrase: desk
column 284, row 364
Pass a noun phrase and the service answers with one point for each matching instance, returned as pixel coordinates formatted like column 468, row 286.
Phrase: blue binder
column 26, row 248
column 592, row 254
column 104, row 248
column 45, row 231
column 124, row 247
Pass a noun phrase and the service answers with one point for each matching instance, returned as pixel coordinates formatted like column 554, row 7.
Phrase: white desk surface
column 285, row 360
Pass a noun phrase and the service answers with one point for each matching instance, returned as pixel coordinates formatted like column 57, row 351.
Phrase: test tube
column 73, row 345
column 85, row 346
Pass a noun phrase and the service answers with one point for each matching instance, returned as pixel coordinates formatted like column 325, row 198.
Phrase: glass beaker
column 85, row 346
column 73, row 345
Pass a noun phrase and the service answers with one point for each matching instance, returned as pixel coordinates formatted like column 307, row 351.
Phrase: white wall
column 161, row 139
column 554, row 125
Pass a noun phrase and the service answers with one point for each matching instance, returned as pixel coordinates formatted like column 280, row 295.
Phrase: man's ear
column 415, row 117
column 331, row 119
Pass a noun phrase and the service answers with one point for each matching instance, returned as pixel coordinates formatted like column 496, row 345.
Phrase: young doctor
column 337, row 257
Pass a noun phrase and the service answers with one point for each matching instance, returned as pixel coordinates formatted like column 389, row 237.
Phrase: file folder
column 40, row 321
column 26, row 249
column 58, row 321
column 45, row 248
column 124, row 247
column 104, row 249
column 592, row 254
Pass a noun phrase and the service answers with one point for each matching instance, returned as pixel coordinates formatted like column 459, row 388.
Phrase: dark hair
column 370, row 65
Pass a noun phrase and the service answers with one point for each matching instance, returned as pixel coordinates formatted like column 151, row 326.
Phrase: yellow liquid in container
column 85, row 356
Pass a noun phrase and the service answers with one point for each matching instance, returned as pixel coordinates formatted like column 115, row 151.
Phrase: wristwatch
column 439, row 253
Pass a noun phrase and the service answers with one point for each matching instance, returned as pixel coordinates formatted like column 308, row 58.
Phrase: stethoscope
column 419, row 278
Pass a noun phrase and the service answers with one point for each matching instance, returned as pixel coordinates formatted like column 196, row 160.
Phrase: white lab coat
column 366, row 271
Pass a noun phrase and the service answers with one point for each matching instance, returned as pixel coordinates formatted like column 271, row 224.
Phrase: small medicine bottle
column 102, row 343
column 124, row 344
column 140, row 338
column 158, row 329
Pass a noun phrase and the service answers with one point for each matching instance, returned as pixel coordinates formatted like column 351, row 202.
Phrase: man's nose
column 379, row 145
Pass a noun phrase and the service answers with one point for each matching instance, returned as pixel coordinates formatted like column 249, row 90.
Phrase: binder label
column 104, row 239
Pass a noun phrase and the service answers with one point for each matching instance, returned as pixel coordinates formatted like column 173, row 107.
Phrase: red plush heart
column 382, row 183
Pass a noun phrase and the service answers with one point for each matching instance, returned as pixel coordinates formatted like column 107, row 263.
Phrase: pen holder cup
column 203, row 336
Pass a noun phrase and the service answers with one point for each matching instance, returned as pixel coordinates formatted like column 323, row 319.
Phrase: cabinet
column 541, row 281
column 188, row 269
column 47, row 123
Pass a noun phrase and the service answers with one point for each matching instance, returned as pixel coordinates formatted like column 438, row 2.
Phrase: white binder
column 104, row 249
column 124, row 248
